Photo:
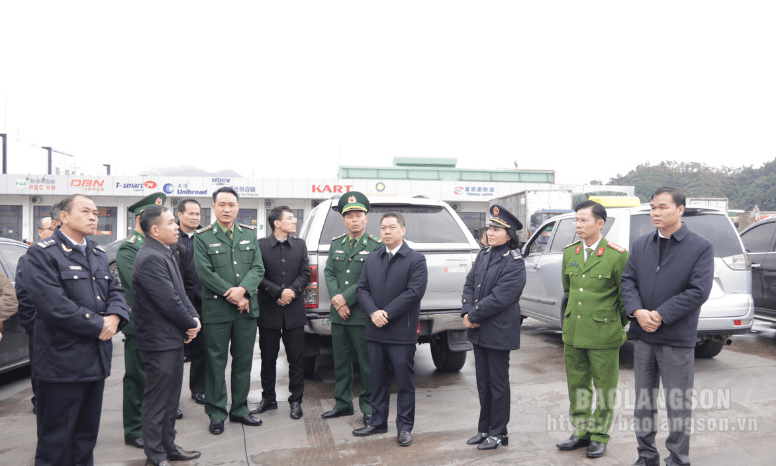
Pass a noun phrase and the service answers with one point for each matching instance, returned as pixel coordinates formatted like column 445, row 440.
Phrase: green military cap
column 146, row 202
column 353, row 200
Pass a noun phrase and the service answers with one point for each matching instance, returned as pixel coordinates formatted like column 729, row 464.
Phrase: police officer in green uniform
column 593, row 328
column 230, row 267
column 347, row 254
column 134, row 373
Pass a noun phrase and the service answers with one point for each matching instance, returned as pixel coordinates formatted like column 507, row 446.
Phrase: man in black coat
column 164, row 319
column 392, row 283
column 286, row 274
column 80, row 306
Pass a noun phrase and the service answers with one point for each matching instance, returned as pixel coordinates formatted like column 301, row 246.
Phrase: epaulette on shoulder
column 246, row 226
column 100, row 249
column 46, row 242
column 338, row 237
column 131, row 239
column 572, row 244
column 515, row 254
column 204, row 229
column 616, row 247
column 375, row 239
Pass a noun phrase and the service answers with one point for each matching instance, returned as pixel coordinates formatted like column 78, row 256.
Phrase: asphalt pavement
column 735, row 416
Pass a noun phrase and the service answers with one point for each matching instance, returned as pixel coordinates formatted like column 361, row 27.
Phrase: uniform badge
column 352, row 200
column 75, row 267
column 132, row 239
column 578, row 249
column 364, row 252
column 215, row 245
column 600, row 251
column 245, row 241
column 495, row 211
column 616, row 247
column 573, row 264
column 159, row 201
column 339, row 252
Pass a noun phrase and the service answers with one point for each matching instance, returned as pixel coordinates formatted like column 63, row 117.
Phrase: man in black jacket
column 392, row 283
column 286, row 274
column 164, row 319
column 668, row 277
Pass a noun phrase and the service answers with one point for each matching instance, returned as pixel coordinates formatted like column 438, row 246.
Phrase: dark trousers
column 197, row 366
column 32, row 379
column 164, row 376
column 269, row 344
column 68, row 422
column 402, row 359
column 675, row 366
column 492, row 369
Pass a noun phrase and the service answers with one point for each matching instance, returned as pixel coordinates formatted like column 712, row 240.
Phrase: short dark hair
column 678, row 196
column 399, row 218
column 66, row 204
column 225, row 189
column 599, row 211
column 182, row 204
column 483, row 232
column 151, row 216
column 277, row 214
column 55, row 209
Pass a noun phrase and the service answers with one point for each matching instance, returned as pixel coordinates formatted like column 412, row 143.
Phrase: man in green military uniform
column 593, row 328
column 229, row 265
column 134, row 373
column 347, row 254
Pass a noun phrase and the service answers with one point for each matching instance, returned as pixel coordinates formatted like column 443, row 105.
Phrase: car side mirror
column 525, row 250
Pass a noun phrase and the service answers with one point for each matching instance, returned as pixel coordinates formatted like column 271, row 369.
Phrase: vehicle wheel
column 522, row 319
column 310, row 366
column 444, row 359
column 708, row 349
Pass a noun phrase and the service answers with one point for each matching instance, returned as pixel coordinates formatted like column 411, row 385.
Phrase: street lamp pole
column 5, row 155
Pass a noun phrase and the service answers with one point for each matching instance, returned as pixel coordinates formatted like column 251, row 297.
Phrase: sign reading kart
column 332, row 188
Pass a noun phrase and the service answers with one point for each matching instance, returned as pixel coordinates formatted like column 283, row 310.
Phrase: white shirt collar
column 395, row 250
column 73, row 241
column 593, row 247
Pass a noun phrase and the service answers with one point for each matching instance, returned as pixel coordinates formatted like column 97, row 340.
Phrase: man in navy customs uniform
column 80, row 306
column 390, row 288
column 229, row 265
column 134, row 374
column 593, row 329
column 669, row 276
column 164, row 319
column 189, row 212
column 347, row 254
column 286, row 275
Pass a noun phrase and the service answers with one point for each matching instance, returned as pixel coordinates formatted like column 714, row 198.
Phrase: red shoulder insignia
column 616, row 247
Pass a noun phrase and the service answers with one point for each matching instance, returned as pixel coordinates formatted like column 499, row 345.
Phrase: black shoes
column 477, row 439
column 182, row 455
column 246, row 420
column 198, row 397
column 369, row 430
column 178, row 414
column 596, row 449
column 647, row 462
column 296, row 410
column 264, row 405
column 405, row 438
column 216, row 427
column 493, row 441
column 366, row 419
column 137, row 443
column 332, row 413
column 163, row 463
column 572, row 444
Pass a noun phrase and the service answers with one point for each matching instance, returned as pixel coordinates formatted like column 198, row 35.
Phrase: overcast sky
column 294, row 89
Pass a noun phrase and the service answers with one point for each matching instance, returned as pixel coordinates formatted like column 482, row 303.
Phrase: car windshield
column 425, row 224
column 714, row 227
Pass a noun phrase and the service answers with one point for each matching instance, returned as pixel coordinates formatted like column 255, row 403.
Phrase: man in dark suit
column 189, row 222
column 286, row 274
column 80, row 306
column 164, row 319
column 392, row 283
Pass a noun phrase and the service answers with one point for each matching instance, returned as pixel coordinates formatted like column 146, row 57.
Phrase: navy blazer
column 286, row 265
column 71, row 293
column 676, row 291
column 397, row 288
column 491, row 298
column 163, row 312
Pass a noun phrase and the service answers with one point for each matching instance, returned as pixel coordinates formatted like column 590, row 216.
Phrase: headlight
column 738, row 262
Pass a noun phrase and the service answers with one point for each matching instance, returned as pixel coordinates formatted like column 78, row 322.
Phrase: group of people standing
column 181, row 283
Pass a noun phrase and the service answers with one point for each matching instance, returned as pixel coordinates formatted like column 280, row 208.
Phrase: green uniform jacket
column 343, row 269
column 125, row 259
column 223, row 263
column 595, row 315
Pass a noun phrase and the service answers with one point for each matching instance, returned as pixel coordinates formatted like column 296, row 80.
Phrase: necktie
column 589, row 252
column 353, row 243
column 81, row 248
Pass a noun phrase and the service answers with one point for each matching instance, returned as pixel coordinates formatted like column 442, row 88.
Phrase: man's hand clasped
column 649, row 320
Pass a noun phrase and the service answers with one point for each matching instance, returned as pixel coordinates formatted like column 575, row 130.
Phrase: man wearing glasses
column 286, row 274
column 45, row 228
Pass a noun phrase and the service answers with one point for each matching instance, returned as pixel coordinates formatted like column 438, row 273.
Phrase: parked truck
column 533, row 207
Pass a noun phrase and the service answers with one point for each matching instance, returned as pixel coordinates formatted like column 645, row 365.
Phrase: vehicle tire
column 444, row 359
column 522, row 319
column 708, row 349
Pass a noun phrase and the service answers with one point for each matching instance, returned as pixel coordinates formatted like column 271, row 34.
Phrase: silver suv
column 434, row 229
column 729, row 310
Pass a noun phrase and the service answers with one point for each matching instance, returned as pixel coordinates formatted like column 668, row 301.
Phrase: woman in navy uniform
column 491, row 312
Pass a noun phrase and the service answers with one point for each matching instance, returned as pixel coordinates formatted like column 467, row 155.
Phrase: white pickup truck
column 434, row 229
